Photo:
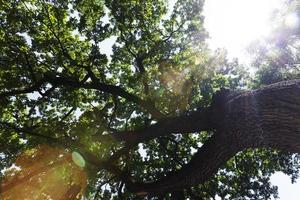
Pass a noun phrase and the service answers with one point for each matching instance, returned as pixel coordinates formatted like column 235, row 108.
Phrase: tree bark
column 196, row 121
column 267, row 117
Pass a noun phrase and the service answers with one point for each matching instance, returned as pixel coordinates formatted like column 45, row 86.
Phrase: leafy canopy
column 64, row 93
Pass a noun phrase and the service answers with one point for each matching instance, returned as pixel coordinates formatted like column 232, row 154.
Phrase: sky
column 234, row 24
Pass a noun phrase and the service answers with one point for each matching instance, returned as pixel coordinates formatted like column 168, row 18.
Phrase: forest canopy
column 159, row 115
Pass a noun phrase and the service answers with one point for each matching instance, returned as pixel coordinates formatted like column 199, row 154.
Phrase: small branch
column 26, row 130
column 30, row 89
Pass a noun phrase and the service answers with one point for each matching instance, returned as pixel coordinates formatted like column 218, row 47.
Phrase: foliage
column 277, row 58
column 58, row 87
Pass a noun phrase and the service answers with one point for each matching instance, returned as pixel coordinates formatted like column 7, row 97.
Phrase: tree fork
column 267, row 117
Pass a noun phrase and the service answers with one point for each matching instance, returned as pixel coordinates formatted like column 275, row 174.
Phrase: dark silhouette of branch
column 69, row 82
column 263, row 118
column 201, row 120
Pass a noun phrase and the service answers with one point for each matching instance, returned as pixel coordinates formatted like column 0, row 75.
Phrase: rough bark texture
column 267, row 117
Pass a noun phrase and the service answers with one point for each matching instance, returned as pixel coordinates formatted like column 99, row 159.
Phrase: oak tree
column 156, row 116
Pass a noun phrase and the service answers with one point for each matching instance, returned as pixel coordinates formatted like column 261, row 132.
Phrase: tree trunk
column 268, row 117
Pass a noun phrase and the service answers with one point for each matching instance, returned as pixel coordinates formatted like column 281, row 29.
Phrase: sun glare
column 45, row 173
column 292, row 20
column 233, row 24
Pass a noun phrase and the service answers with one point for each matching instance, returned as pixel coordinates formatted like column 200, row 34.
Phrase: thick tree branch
column 264, row 118
column 64, row 81
column 194, row 122
column 111, row 89
column 215, row 152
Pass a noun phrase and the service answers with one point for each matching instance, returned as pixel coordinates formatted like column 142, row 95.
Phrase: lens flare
column 175, row 80
column 45, row 173
column 78, row 159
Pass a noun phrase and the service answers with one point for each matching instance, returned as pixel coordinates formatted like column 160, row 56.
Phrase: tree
column 152, row 120
column 277, row 57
